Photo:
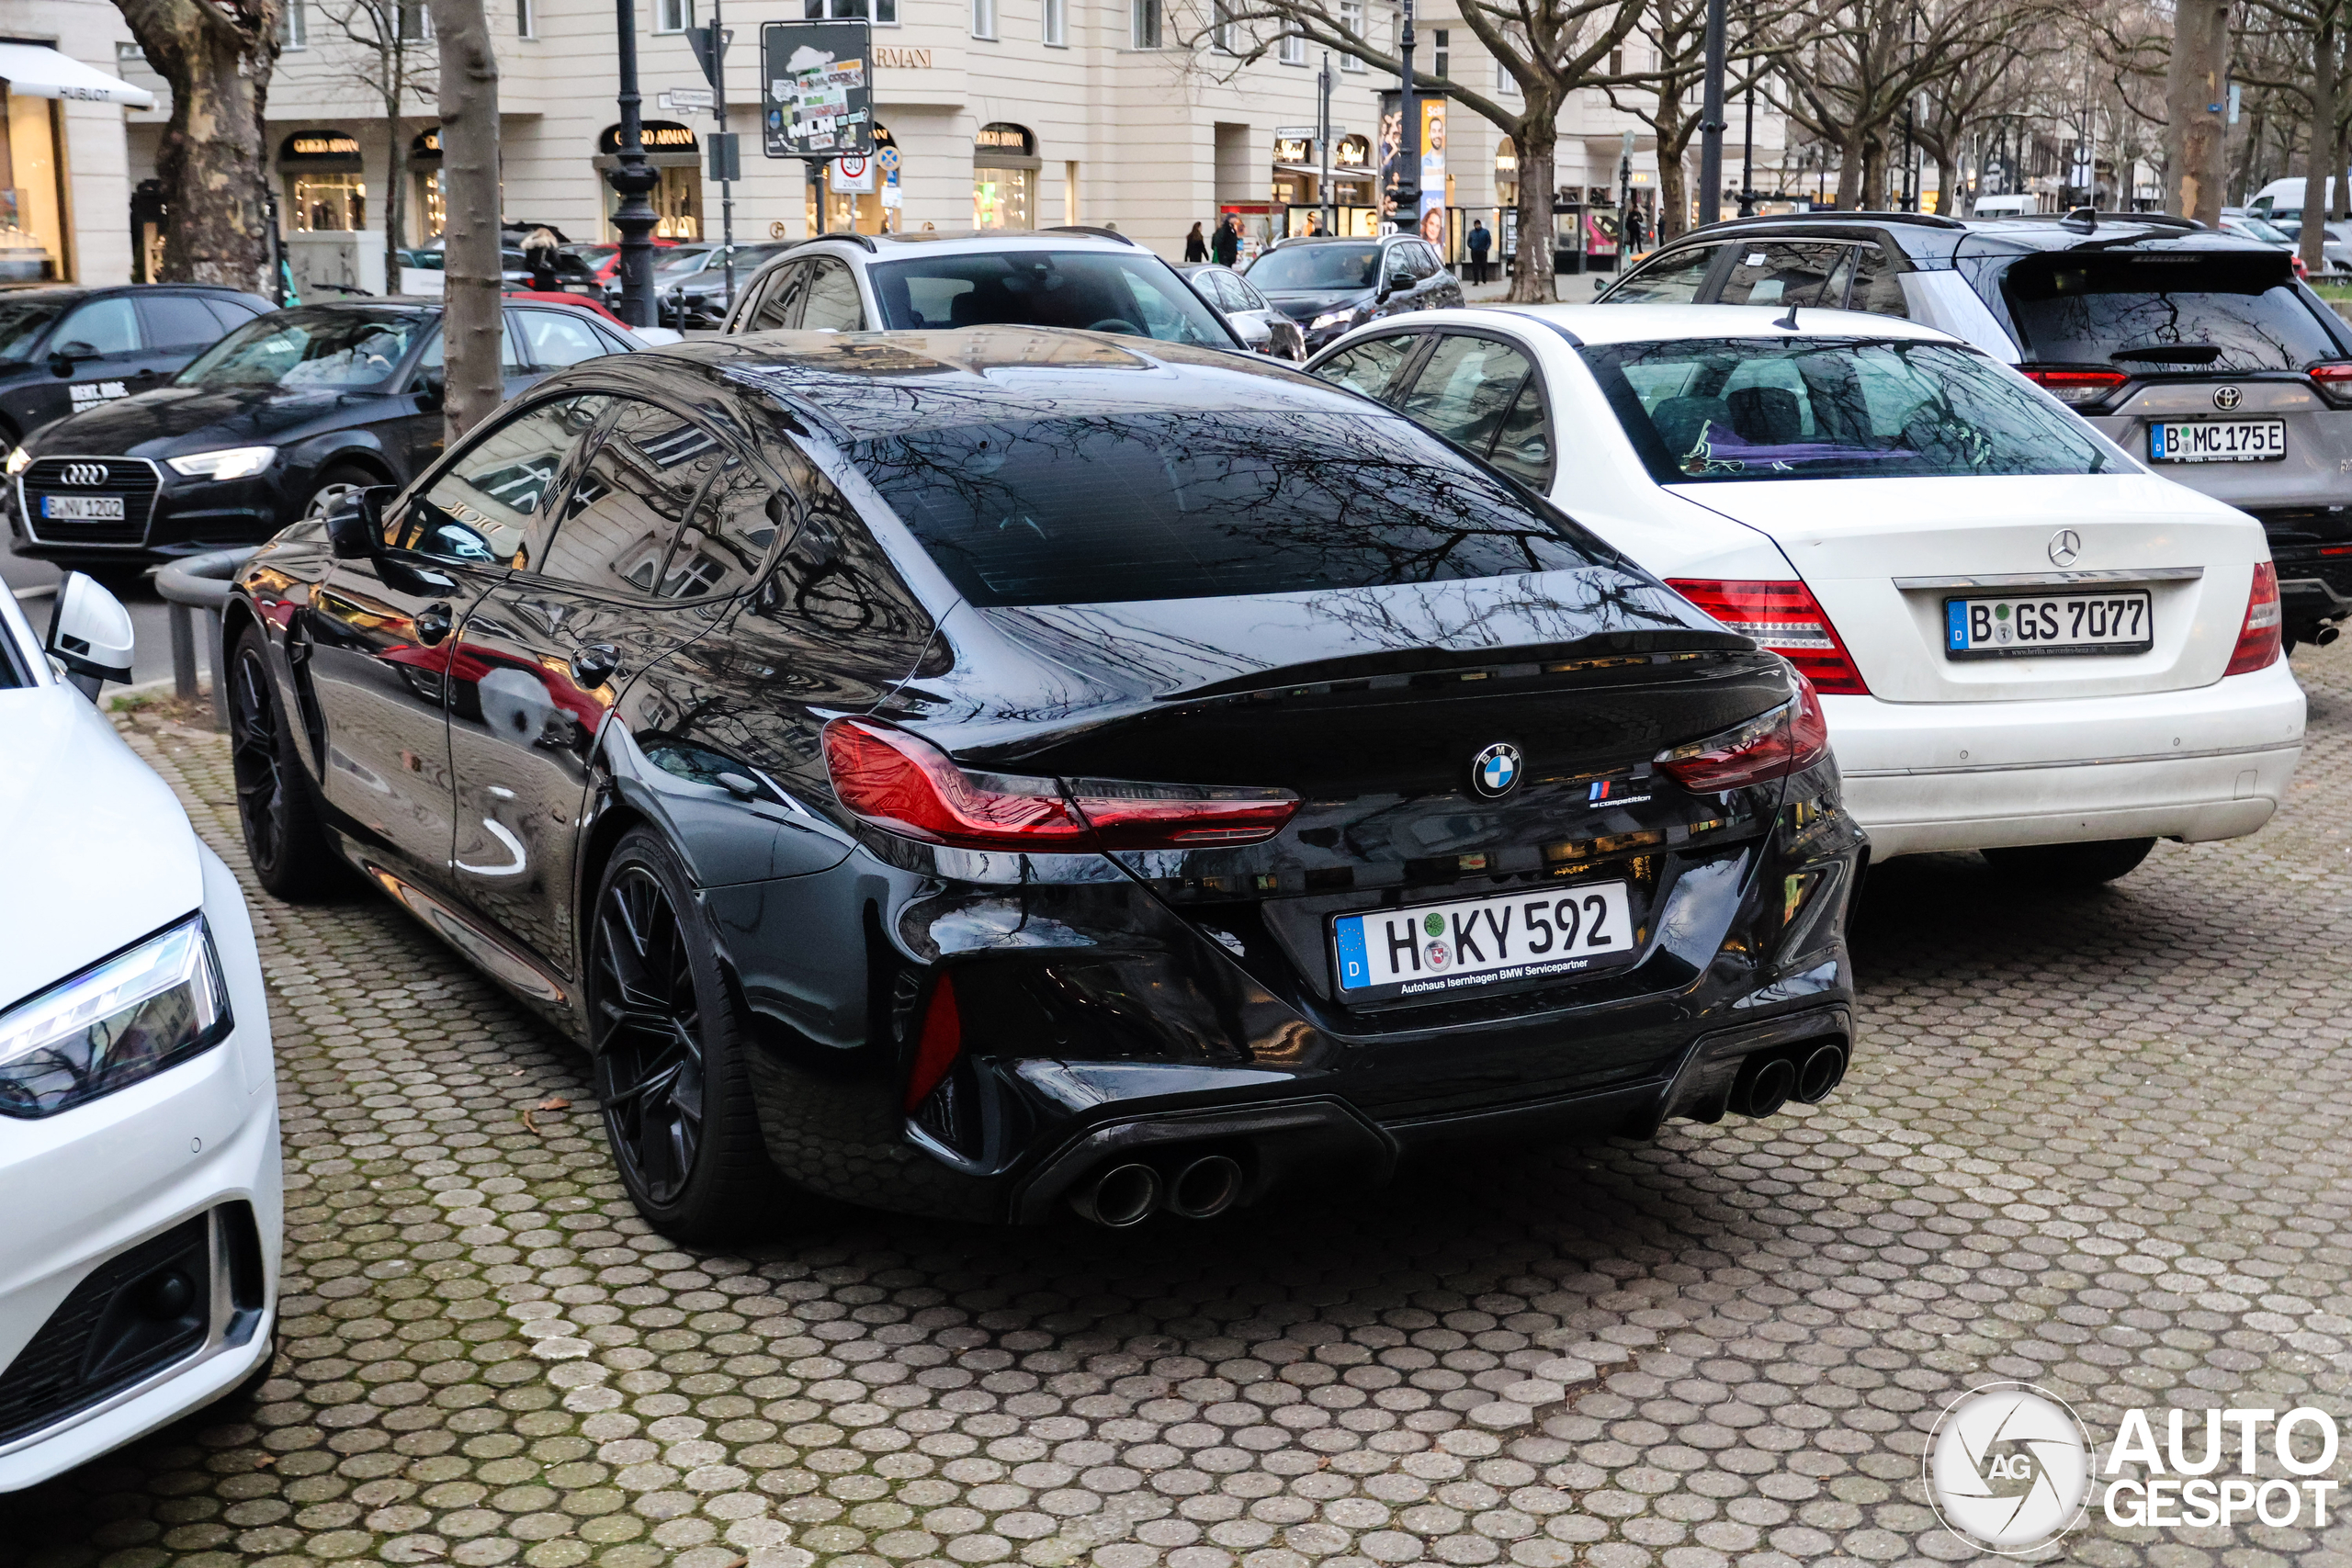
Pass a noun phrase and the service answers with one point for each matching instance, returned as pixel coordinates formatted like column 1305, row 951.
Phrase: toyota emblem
column 85, row 473
column 2066, row 548
column 2227, row 398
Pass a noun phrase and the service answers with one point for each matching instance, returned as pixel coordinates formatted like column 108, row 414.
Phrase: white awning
column 34, row 72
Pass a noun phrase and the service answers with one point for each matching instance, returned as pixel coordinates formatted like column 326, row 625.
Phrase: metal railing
column 190, row 584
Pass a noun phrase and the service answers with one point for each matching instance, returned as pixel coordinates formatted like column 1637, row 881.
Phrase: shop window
column 1352, row 21
column 32, row 201
column 1001, row 198
column 326, row 201
column 678, row 200
column 673, row 16
column 885, row 12
column 1147, row 24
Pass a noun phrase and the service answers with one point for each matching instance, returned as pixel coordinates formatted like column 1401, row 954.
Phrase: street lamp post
column 1405, row 190
column 1711, row 121
column 632, row 180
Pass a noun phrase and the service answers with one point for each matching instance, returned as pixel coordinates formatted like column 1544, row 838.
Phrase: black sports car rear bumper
column 1102, row 1026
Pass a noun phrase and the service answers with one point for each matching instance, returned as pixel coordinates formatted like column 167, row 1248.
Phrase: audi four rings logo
column 2226, row 397
column 2066, row 548
column 85, row 473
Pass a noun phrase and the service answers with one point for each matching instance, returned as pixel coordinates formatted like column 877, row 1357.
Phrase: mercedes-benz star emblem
column 85, row 473
column 1494, row 772
column 2227, row 398
column 2066, row 548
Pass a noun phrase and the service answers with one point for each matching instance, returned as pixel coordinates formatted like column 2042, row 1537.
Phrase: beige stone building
column 1005, row 113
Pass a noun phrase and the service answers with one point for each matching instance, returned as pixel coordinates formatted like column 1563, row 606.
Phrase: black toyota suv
column 64, row 349
column 2197, row 352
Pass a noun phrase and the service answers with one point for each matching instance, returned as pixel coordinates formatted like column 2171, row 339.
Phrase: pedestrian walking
column 1225, row 249
column 1197, row 249
column 539, row 247
column 1480, row 242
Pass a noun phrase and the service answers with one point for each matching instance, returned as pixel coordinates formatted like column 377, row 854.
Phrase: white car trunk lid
column 1883, row 556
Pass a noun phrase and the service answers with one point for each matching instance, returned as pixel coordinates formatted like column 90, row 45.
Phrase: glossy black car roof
column 861, row 385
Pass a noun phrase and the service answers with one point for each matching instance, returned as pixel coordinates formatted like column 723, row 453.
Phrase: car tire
column 333, row 486
column 292, row 857
column 672, row 1055
column 2072, row 865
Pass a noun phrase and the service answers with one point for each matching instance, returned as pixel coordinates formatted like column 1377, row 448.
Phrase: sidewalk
column 1572, row 288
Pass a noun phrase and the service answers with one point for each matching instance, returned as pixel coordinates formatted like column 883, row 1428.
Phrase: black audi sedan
column 273, row 422
column 1331, row 284
column 993, row 771
column 65, row 348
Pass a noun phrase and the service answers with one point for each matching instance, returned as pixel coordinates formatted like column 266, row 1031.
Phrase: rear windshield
column 1138, row 295
column 1704, row 410
column 2166, row 311
column 1304, row 268
column 1106, row 509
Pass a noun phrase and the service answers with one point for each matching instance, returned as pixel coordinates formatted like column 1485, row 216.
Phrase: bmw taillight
column 1788, row 739
column 1786, row 618
column 2334, row 379
column 904, row 785
column 2076, row 389
column 2258, row 639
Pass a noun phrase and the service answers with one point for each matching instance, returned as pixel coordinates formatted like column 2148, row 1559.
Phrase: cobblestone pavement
column 2094, row 1142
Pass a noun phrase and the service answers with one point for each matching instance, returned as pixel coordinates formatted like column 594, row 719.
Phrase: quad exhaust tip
column 1130, row 1193
column 1122, row 1196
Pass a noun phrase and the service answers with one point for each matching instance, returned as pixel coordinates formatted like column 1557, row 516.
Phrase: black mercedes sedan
column 273, row 422
column 1331, row 284
column 996, row 772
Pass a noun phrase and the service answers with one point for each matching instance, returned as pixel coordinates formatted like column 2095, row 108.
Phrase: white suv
column 1092, row 279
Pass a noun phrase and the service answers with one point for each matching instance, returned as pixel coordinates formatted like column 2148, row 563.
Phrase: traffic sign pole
column 710, row 45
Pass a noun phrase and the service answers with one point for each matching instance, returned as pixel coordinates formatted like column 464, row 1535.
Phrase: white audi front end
column 2025, row 642
column 139, row 1145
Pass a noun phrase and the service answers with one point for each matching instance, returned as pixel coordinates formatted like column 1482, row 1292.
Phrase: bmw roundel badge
column 1494, row 772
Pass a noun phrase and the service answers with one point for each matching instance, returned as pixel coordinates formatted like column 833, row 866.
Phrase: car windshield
column 2179, row 312
column 1301, row 268
column 22, row 323
column 1110, row 509
column 682, row 264
column 2255, row 227
column 1706, row 408
column 309, row 350
column 1139, row 295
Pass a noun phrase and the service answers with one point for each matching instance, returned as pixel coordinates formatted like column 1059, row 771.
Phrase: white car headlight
column 229, row 463
column 127, row 1019
column 1333, row 319
column 18, row 462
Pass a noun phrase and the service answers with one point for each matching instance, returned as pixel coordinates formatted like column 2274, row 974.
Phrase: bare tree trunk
column 217, row 58
column 1853, row 153
column 395, row 157
column 1673, row 197
column 2316, row 174
column 470, row 311
column 2194, row 132
column 1536, row 136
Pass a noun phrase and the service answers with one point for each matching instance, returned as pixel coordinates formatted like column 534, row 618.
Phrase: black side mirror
column 61, row 358
column 432, row 386
column 356, row 522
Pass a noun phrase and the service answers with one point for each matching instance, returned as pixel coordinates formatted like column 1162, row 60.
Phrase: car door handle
column 595, row 664
column 432, row 624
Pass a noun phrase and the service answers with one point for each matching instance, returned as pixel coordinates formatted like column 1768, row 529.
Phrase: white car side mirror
column 89, row 634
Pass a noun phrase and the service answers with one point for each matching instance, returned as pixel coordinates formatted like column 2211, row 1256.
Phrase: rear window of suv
column 1106, row 292
column 1078, row 511
column 2166, row 311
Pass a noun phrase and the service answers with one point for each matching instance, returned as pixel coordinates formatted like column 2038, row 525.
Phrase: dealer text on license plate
column 1486, row 942
column 82, row 508
column 2008, row 627
column 2218, row 441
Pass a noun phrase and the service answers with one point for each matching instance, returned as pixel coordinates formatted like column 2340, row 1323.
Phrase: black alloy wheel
column 670, row 1073
column 290, row 854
